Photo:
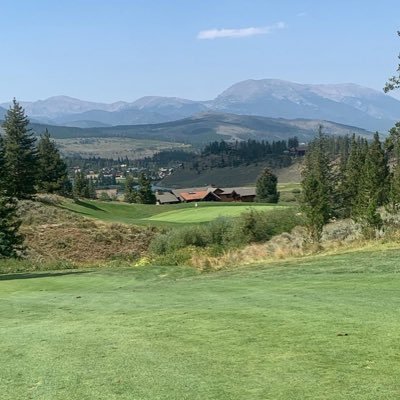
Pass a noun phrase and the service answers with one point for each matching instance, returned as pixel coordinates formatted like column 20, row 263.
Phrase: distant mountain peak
column 346, row 103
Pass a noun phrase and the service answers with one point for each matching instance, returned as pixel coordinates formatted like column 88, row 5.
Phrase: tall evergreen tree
column 11, row 241
column 393, row 205
column 145, row 193
column 374, row 185
column 131, row 195
column 52, row 172
column 352, row 175
column 80, row 187
column 393, row 147
column 317, row 193
column 2, row 167
column 20, row 155
column 90, row 191
column 266, row 187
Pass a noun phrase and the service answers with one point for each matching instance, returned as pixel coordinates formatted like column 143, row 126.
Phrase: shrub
column 223, row 233
column 104, row 197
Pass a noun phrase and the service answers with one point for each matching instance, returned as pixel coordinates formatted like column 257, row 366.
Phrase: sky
column 114, row 50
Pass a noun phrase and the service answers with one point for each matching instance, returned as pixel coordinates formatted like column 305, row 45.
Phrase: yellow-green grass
column 320, row 328
column 288, row 187
column 203, row 213
column 184, row 213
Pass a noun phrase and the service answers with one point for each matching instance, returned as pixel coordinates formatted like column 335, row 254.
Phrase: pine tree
column 393, row 205
column 11, row 241
column 52, row 172
column 20, row 155
column 131, row 195
column 145, row 193
column 352, row 177
column 266, row 187
column 393, row 147
column 317, row 193
column 90, row 192
column 80, row 187
column 2, row 167
column 373, row 191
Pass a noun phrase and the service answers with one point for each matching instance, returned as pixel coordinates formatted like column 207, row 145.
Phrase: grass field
column 114, row 147
column 320, row 328
column 206, row 214
column 185, row 213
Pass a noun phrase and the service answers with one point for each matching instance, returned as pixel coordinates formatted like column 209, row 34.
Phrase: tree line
column 352, row 178
column 250, row 150
column 355, row 181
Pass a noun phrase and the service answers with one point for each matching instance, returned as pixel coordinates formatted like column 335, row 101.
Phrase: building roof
column 241, row 191
column 166, row 197
column 192, row 196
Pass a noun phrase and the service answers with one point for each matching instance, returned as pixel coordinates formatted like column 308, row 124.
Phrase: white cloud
column 302, row 14
column 242, row 32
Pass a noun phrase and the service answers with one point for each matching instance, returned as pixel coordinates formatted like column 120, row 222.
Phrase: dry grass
column 339, row 237
column 284, row 246
column 54, row 234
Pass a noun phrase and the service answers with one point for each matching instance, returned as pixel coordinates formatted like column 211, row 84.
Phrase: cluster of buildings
column 208, row 193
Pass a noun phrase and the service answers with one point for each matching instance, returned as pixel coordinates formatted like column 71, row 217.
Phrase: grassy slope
column 151, row 214
column 161, row 333
column 228, row 176
column 55, row 234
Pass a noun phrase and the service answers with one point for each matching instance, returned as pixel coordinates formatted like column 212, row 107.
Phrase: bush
column 104, row 197
column 223, row 233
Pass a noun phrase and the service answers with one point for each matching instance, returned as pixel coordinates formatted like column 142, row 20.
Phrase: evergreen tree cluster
column 352, row 180
column 92, row 163
column 83, row 186
column 246, row 151
column 27, row 166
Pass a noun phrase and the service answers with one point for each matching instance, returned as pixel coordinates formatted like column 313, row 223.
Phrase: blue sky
column 123, row 49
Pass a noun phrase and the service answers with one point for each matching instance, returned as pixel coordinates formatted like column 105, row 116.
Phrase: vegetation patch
column 179, row 246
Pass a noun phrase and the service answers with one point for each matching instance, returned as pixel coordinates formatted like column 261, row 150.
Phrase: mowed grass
column 185, row 213
column 203, row 213
column 320, row 328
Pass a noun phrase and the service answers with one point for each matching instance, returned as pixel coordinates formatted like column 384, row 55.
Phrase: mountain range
column 348, row 104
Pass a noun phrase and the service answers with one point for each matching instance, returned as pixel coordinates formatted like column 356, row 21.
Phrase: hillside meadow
column 323, row 327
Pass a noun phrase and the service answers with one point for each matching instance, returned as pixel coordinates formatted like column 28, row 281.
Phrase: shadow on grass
column 88, row 205
column 32, row 275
